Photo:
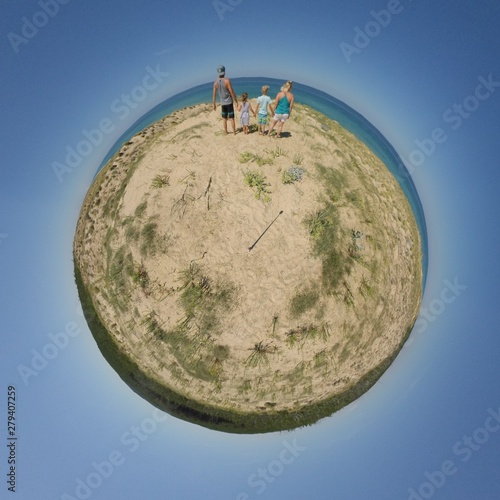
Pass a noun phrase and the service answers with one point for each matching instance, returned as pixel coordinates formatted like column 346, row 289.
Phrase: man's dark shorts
column 227, row 111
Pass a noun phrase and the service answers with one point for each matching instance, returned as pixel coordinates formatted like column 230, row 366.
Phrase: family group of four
column 281, row 112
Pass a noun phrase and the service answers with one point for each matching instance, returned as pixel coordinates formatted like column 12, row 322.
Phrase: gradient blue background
column 77, row 411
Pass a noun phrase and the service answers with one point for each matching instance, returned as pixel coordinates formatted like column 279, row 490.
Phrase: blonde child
column 263, row 104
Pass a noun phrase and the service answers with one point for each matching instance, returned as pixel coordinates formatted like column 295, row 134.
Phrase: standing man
column 227, row 98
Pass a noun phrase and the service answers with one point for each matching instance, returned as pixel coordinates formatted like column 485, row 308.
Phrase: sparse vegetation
column 366, row 288
column 298, row 158
column 319, row 222
column 160, row 181
column 204, row 300
column 259, row 354
column 353, row 198
column 309, row 332
column 152, row 325
column 304, row 300
column 258, row 181
column 141, row 277
column 132, row 232
column 323, row 228
column 348, row 296
column 321, row 359
column 276, row 152
column 327, row 238
column 141, row 208
column 246, row 157
column 120, row 270
column 293, row 174
column 148, row 238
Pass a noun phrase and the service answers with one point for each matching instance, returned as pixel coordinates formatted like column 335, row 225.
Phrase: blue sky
column 416, row 73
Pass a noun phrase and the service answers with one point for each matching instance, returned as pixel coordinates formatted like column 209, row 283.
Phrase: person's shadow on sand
column 283, row 135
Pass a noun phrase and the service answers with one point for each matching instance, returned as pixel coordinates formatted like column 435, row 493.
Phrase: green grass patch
column 258, row 182
column 345, row 354
column 353, row 198
column 132, row 233
column 322, row 226
column 348, row 296
column 321, row 359
column 276, row 152
column 352, row 164
column 140, row 276
column 334, row 267
column 327, row 236
column 160, row 181
column 298, row 159
column 259, row 354
column 120, row 269
column 151, row 241
column 366, row 288
column 140, row 209
column 148, row 238
column 303, row 301
column 152, row 326
column 333, row 180
column 297, row 374
column 247, row 157
column 204, row 300
column 300, row 334
column 321, row 223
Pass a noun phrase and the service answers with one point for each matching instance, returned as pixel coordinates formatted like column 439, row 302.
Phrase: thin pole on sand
column 264, row 232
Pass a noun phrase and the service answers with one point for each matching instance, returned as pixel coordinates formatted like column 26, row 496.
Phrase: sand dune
column 327, row 295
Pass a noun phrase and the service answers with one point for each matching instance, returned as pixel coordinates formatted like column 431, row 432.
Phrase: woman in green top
column 284, row 104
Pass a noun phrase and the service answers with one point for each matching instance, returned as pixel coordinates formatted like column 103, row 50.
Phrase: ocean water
column 331, row 107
